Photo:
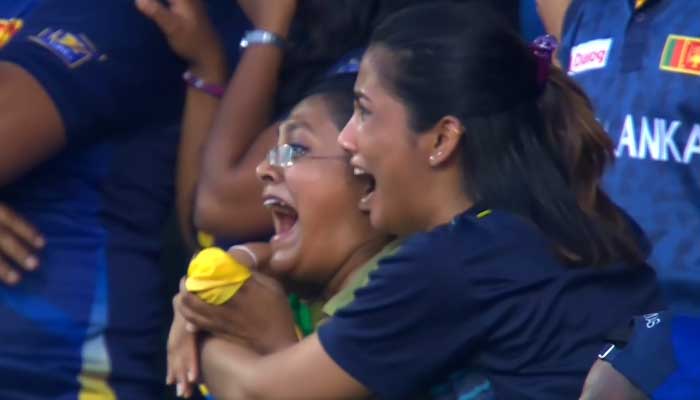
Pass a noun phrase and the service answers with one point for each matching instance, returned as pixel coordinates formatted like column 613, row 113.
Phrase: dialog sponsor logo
column 589, row 56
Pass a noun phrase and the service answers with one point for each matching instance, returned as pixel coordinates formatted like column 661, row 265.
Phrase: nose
column 268, row 173
column 348, row 137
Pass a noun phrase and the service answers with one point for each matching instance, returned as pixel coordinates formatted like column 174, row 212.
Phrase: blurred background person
column 656, row 176
column 91, row 98
column 639, row 62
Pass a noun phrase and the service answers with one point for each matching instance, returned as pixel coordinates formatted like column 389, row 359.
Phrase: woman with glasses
column 323, row 247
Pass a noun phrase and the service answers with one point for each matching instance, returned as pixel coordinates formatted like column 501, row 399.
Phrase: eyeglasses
column 286, row 155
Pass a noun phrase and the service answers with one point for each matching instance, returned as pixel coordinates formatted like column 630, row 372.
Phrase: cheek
column 329, row 217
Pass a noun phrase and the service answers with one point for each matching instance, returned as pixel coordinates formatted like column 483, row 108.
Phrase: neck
column 445, row 200
column 357, row 259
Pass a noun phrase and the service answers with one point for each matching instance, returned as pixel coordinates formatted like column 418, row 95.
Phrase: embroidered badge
column 8, row 29
column 73, row 49
column 681, row 54
column 589, row 56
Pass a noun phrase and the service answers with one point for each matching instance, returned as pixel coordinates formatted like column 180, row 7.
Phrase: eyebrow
column 290, row 126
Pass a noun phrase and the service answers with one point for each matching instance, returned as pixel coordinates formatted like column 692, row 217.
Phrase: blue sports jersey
column 88, row 322
column 641, row 69
column 654, row 354
column 486, row 295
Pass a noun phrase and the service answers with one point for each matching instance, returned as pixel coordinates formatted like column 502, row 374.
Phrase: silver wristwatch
column 260, row 36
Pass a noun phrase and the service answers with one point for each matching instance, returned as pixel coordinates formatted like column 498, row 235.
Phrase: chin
column 282, row 264
column 378, row 220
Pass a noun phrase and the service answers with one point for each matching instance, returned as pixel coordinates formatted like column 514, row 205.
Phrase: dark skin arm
column 223, row 141
column 227, row 202
column 31, row 132
column 189, row 32
column 31, row 129
column 234, row 372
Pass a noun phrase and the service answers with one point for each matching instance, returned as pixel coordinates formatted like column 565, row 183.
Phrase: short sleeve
column 411, row 301
column 102, row 63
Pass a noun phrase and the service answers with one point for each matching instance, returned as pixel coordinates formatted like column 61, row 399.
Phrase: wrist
column 194, row 81
column 244, row 255
column 213, row 69
column 277, row 24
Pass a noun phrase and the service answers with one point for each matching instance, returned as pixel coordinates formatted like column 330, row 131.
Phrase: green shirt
column 309, row 315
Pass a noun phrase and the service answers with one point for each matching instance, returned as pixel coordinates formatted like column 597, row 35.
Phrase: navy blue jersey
column 488, row 297
column 656, row 356
column 88, row 322
column 641, row 69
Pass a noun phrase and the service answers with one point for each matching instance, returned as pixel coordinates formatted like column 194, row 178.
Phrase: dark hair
column 322, row 32
column 530, row 148
column 337, row 92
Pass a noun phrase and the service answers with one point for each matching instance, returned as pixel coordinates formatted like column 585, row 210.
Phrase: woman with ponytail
column 514, row 267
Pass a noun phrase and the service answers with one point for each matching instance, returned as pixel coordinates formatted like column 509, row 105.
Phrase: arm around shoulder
column 302, row 371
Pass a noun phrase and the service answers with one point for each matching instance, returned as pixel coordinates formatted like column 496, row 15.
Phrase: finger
column 169, row 376
column 268, row 282
column 17, row 251
column 183, row 388
column 196, row 312
column 190, row 359
column 193, row 374
column 8, row 275
column 161, row 15
column 183, row 285
column 21, row 228
column 180, row 389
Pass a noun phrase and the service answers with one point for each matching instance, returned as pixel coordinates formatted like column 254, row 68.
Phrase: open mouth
column 284, row 216
column 364, row 203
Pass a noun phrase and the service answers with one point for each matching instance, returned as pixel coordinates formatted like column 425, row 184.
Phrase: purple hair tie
column 543, row 47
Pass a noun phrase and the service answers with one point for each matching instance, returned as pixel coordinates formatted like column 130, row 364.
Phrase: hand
column 190, row 34
column 272, row 15
column 183, row 357
column 258, row 314
column 19, row 244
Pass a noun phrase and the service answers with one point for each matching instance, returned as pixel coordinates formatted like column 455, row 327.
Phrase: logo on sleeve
column 589, row 56
column 681, row 54
column 74, row 50
column 8, row 29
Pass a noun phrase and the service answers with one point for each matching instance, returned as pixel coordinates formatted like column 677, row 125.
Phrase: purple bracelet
column 199, row 84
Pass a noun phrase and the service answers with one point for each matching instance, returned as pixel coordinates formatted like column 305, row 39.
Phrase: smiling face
column 314, row 200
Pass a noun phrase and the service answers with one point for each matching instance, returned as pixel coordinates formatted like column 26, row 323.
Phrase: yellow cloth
column 215, row 276
column 205, row 240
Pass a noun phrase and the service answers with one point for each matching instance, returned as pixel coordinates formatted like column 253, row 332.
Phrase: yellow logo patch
column 73, row 49
column 8, row 29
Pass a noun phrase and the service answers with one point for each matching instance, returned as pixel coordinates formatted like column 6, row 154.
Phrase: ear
column 443, row 140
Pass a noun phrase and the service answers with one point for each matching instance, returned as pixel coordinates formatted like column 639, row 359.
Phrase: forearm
column 236, row 211
column 301, row 372
column 235, row 146
column 228, row 369
column 198, row 118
